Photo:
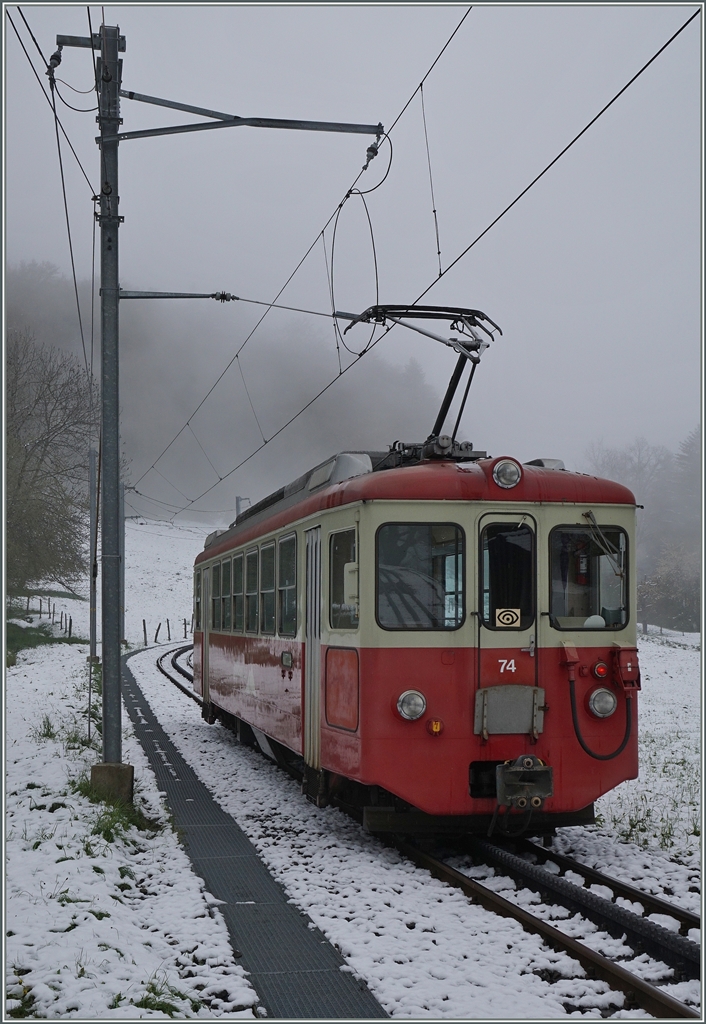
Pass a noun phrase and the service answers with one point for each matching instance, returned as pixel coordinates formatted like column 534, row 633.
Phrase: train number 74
column 507, row 665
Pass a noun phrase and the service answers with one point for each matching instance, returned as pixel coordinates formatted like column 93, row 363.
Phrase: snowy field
column 110, row 922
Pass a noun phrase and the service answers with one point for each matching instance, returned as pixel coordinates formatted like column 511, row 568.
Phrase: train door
column 507, row 626
column 312, row 656
column 205, row 635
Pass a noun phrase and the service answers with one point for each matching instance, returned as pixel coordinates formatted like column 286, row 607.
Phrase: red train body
column 437, row 642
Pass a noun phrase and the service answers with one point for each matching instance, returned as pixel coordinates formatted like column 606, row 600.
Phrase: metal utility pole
column 108, row 73
column 113, row 778
column 121, row 512
column 93, row 555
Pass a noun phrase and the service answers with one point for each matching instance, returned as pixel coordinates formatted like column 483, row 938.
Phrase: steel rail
column 174, row 655
column 652, row 904
column 660, row 1004
column 650, row 998
column 642, row 934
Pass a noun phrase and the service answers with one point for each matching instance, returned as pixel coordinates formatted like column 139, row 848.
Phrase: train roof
column 366, row 476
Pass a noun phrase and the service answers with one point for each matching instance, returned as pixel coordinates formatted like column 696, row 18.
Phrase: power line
column 301, row 261
column 469, row 247
column 46, row 97
column 558, row 156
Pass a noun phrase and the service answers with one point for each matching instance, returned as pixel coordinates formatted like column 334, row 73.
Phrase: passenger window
column 251, row 592
column 420, row 576
column 343, row 600
column 507, row 576
column 197, row 599
column 288, row 586
column 225, row 594
column 267, row 588
column 588, row 578
column 216, row 596
column 238, row 607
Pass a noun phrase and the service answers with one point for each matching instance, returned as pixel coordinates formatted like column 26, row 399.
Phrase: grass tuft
column 116, row 818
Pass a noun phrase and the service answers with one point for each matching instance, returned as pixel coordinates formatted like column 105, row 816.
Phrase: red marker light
column 600, row 670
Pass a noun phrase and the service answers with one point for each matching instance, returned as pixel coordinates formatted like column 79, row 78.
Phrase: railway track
column 674, row 949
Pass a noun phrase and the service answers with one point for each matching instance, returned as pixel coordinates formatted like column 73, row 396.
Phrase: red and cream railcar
column 455, row 636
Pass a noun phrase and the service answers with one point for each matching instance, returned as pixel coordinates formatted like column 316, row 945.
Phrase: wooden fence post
column 157, row 633
column 70, row 625
column 144, row 630
column 169, row 632
column 185, row 629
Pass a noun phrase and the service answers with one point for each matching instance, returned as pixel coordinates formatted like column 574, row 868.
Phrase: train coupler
column 524, row 783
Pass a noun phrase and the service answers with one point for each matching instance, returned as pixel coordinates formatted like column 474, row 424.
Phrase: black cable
column 375, row 261
column 577, row 727
column 39, row 49
column 558, row 157
column 439, row 56
column 41, row 85
column 79, row 110
column 81, row 92
column 301, row 261
column 68, row 228
column 367, row 191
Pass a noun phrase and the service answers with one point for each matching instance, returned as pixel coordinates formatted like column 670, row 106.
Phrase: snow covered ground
column 424, row 950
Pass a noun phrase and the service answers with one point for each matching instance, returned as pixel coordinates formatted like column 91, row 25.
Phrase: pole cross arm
column 219, row 296
column 250, row 122
column 87, row 43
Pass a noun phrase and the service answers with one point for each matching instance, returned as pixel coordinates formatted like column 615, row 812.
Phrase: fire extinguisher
column 582, row 569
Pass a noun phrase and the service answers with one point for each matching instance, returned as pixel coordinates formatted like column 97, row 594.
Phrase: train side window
column 238, row 603
column 197, row 599
column 215, row 596
column 267, row 588
column 225, row 595
column 251, row 595
column 507, row 576
column 420, row 572
column 288, row 586
column 343, row 608
column 588, row 570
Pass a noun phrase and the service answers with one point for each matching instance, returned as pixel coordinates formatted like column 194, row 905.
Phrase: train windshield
column 420, row 576
column 588, row 578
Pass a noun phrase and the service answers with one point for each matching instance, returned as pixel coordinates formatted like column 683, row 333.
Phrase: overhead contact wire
column 299, row 264
column 559, row 155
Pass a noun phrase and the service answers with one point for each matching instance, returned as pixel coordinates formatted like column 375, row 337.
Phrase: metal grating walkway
column 292, row 966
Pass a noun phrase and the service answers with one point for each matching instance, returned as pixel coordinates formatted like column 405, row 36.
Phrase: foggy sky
column 594, row 276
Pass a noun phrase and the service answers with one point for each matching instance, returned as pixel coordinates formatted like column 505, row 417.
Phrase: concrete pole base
column 113, row 781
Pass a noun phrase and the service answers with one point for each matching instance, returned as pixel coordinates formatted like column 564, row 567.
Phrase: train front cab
column 488, row 660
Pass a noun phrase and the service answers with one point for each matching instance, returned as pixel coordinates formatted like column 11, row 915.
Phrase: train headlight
column 506, row 473
column 411, row 705
column 602, row 703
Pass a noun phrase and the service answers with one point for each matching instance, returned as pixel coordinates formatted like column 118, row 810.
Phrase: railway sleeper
column 680, row 953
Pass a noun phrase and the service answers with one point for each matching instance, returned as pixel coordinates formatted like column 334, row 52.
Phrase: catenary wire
column 299, row 264
column 68, row 231
column 41, row 86
column 557, row 157
column 431, row 180
column 333, row 305
column 487, row 229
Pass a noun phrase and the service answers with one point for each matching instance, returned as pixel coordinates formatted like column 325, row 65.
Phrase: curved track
column 673, row 949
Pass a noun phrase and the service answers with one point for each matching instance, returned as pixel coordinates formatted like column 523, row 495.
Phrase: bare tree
column 51, row 418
